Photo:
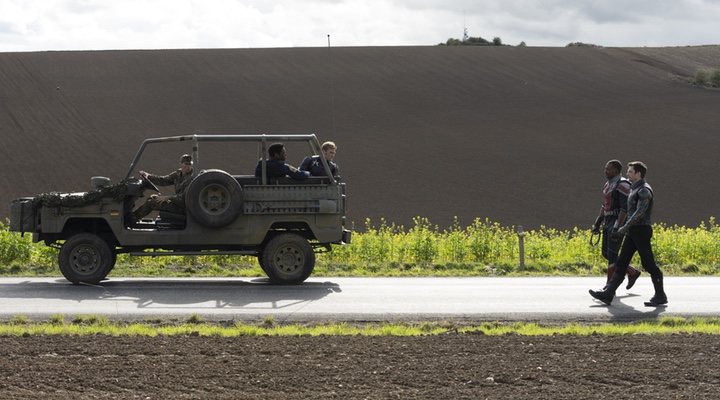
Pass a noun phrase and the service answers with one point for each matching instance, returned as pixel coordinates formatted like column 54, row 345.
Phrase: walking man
column 638, row 232
column 613, row 213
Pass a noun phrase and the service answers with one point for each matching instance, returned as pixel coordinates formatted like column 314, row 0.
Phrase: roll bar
column 262, row 140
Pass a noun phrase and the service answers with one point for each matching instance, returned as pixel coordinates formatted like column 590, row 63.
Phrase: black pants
column 610, row 246
column 638, row 240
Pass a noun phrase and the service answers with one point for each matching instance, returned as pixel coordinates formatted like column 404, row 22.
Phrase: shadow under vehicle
column 282, row 221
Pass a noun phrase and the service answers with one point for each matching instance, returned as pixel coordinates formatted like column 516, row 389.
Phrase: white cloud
column 27, row 25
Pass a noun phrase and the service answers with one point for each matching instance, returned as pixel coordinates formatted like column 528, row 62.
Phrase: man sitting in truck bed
column 276, row 165
column 314, row 165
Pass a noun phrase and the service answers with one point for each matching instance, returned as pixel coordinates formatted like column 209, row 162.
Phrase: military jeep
column 281, row 221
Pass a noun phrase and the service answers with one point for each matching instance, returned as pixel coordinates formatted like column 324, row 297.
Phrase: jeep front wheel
column 85, row 258
column 288, row 259
column 262, row 264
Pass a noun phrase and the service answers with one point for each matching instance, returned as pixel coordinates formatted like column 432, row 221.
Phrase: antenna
column 465, row 35
column 332, row 86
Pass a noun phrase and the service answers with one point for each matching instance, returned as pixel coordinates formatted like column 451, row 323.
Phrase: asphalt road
column 554, row 299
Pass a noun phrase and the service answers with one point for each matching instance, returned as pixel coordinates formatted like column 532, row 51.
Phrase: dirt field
column 440, row 367
column 517, row 135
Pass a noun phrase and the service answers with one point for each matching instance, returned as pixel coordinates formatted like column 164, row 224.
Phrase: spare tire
column 214, row 198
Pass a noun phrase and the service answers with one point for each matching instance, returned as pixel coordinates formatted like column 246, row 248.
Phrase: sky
column 39, row 25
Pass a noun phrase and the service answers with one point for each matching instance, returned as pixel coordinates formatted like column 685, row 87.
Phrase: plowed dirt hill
column 518, row 135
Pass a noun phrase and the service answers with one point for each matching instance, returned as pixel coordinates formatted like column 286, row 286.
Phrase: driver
column 176, row 203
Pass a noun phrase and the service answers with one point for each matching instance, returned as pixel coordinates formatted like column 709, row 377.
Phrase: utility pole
column 521, row 245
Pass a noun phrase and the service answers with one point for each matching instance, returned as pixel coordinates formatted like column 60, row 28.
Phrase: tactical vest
column 633, row 203
column 610, row 200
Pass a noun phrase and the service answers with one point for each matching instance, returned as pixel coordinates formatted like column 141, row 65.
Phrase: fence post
column 521, row 246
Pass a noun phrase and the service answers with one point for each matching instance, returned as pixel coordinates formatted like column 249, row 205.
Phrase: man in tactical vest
column 613, row 213
column 314, row 165
column 638, row 232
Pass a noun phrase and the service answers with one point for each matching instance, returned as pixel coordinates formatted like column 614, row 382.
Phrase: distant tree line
column 581, row 44
column 472, row 41
column 476, row 41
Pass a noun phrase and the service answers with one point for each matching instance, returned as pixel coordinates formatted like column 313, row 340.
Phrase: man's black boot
column 659, row 298
column 608, row 293
column 656, row 301
column 603, row 295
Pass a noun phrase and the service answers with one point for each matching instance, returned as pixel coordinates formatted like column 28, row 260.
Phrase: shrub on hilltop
column 707, row 78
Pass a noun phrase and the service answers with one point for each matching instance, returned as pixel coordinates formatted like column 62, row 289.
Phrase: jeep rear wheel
column 85, row 258
column 288, row 259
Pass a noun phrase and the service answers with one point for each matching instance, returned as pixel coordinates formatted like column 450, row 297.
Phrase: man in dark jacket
column 613, row 213
column 276, row 166
column 179, row 178
column 314, row 165
column 638, row 233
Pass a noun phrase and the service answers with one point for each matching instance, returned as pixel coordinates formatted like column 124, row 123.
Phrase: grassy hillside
column 517, row 135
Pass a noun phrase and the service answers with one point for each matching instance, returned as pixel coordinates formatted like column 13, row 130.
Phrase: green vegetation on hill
column 707, row 78
column 483, row 248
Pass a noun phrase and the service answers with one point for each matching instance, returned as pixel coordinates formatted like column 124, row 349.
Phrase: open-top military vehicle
column 282, row 221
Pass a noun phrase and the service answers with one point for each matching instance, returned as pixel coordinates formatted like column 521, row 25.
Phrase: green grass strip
column 661, row 326
column 94, row 325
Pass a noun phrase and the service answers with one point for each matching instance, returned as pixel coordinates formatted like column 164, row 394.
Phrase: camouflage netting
column 54, row 199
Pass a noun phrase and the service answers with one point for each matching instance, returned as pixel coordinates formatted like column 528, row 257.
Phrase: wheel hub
column 289, row 259
column 214, row 199
column 84, row 259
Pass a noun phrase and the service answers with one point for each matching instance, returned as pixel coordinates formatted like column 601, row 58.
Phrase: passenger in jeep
column 180, row 178
column 276, row 165
column 314, row 165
